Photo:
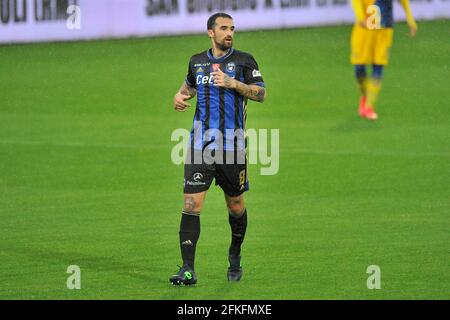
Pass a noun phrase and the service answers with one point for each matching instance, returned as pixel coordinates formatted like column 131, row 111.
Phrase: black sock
column 189, row 234
column 238, row 227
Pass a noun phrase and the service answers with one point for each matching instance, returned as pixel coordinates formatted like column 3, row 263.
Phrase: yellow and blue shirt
column 385, row 9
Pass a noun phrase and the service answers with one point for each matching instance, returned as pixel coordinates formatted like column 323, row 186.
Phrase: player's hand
column 362, row 23
column 223, row 80
column 179, row 102
column 412, row 30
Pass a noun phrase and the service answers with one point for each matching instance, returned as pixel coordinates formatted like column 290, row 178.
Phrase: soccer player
column 371, row 40
column 223, row 80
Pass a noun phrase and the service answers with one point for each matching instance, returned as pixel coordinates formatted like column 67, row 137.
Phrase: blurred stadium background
column 86, row 177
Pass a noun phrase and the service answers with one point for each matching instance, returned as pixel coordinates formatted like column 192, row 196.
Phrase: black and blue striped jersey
column 220, row 111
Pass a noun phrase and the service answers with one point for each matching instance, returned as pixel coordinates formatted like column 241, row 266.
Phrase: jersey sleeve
column 252, row 75
column 190, row 77
column 358, row 9
column 409, row 16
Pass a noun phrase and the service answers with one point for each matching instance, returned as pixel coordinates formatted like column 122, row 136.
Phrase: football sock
column 377, row 71
column 189, row 234
column 238, row 228
column 361, row 78
column 362, row 84
column 373, row 89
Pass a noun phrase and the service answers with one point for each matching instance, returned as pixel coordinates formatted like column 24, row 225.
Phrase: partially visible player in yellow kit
column 370, row 43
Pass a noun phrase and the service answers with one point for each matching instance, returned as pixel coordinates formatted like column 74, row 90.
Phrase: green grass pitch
column 86, row 177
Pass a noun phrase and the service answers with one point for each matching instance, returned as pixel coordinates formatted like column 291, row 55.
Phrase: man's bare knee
column 189, row 204
column 235, row 205
column 193, row 203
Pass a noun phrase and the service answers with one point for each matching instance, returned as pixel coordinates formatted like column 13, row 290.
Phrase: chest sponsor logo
column 204, row 79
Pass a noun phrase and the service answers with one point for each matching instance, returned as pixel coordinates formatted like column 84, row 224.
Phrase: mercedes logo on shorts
column 197, row 176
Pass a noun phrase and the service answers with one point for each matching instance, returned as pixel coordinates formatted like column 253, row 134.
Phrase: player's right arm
column 185, row 92
column 409, row 17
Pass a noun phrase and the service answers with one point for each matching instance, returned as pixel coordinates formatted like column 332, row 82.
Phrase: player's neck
column 218, row 53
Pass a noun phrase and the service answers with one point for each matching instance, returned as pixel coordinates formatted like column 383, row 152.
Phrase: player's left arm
column 250, row 91
column 409, row 17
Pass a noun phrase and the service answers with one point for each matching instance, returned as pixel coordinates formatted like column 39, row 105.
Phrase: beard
column 224, row 45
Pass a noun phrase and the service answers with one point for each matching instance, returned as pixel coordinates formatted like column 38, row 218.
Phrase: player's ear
column 210, row 33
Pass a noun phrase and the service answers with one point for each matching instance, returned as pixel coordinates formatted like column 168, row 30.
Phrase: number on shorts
column 242, row 177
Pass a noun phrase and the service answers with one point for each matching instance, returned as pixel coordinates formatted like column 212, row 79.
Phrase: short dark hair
column 212, row 20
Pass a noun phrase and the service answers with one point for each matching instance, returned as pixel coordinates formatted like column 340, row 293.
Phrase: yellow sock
column 373, row 89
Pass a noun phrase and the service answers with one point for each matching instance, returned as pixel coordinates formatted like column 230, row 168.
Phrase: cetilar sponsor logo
column 207, row 79
column 204, row 79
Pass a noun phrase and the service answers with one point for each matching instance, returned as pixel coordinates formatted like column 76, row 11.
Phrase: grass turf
column 86, row 176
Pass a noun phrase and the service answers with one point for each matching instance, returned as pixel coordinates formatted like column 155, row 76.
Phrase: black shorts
column 231, row 177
